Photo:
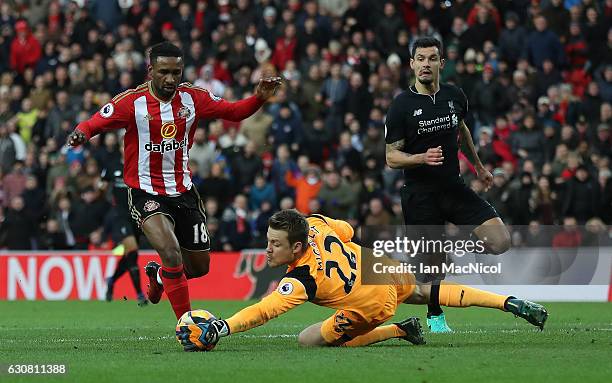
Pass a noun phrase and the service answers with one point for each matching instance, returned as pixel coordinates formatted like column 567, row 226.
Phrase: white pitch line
column 120, row 339
column 140, row 328
column 269, row 336
column 74, row 328
column 514, row 331
column 139, row 338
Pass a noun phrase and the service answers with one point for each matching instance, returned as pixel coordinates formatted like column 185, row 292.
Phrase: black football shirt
column 428, row 121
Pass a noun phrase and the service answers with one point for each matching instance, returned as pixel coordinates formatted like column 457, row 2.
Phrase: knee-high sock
column 134, row 271
column 377, row 335
column 464, row 296
column 122, row 267
column 177, row 289
column 135, row 276
column 433, row 307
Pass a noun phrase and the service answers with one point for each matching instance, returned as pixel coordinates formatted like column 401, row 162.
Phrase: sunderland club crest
column 184, row 112
column 151, row 205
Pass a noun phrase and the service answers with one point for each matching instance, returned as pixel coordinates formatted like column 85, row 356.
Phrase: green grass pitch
column 118, row 341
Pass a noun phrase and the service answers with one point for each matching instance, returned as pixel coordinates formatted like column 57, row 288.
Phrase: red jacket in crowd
column 25, row 49
column 284, row 51
column 567, row 239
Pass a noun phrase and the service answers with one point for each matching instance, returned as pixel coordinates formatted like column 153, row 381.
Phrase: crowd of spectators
column 538, row 76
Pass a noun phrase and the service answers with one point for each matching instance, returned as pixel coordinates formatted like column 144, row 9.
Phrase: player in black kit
column 123, row 229
column 422, row 125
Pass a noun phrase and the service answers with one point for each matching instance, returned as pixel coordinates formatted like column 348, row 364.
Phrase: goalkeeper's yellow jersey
column 328, row 274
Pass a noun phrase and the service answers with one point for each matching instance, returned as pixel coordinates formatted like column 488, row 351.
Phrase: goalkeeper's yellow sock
column 377, row 335
column 453, row 295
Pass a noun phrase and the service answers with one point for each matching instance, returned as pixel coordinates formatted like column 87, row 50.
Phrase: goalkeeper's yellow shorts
column 347, row 324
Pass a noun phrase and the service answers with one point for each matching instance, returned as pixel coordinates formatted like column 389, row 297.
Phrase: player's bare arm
column 397, row 159
column 467, row 147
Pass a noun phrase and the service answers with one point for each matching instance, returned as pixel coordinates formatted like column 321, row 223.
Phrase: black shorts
column 426, row 212
column 123, row 226
column 456, row 203
column 186, row 212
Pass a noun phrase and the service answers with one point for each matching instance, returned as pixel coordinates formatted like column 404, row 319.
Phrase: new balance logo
column 417, row 112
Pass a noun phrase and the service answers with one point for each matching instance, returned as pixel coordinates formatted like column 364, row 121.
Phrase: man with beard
column 421, row 136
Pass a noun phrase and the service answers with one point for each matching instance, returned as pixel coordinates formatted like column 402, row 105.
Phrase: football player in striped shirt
column 160, row 118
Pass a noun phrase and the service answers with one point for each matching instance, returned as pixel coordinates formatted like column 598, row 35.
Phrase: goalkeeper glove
column 221, row 327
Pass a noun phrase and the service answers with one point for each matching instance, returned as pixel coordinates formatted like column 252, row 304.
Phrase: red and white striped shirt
column 159, row 134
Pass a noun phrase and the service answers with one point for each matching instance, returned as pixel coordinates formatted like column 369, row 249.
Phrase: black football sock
column 122, row 267
column 132, row 257
column 433, row 307
column 135, row 276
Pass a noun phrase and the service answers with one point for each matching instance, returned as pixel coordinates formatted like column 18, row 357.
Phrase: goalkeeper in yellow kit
column 324, row 267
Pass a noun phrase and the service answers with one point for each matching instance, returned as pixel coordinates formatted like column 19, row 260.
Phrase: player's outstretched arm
column 111, row 116
column 209, row 106
column 210, row 332
column 290, row 293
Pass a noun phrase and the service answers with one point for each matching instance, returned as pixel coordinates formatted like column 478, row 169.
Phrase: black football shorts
column 186, row 212
column 456, row 203
column 426, row 212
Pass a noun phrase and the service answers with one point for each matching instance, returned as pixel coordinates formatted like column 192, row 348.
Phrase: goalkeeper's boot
column 533, row 313
column 154, row 288
column 109, row 289
column 437, row 324
column 412, row 328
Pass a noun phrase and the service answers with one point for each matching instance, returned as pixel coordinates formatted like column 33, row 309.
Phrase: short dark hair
column 425, row 42
column 293, row 222
column 164, row 49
